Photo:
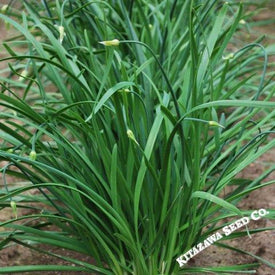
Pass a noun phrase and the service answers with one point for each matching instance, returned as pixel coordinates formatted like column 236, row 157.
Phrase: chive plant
column 129, row 119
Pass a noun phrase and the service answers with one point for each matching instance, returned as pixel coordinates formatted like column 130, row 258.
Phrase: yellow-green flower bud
column 32, row 155
column 229, row 56
column 27, row 72
column 62, row 34
column 131, row 136
column 124, row 91
column 242, row 21
column 23, row 75
column 14, row 208
column 10, row 151
column 61, row 31
column 215, row 124
column 114, row 42
column 4, row 9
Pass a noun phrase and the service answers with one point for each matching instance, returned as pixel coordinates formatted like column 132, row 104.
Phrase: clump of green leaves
column 130, row 118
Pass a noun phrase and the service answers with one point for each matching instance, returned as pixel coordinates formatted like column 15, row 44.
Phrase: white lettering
column 238, row 223
column 212, row 238
column 262, row 212
column 226, row 230
column 181, row 261
column 232, row 227
column 206, row 243
column 189, row 252
column 218, row 236
column 254, row 215
column 195, row 251
column 245, row 220
column 200, row 247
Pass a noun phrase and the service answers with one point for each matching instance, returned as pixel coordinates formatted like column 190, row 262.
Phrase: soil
column 261, row 244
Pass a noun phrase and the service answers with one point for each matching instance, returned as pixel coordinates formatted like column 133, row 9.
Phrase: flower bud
column 131, row 136
column 62, row 34
column 4, row 9
column 124, row 90
column 114, row 42
column 229, row 56
column 215, row 124
column 23, row 75
column 32, row 155
column 61, row 31
column 14, row 209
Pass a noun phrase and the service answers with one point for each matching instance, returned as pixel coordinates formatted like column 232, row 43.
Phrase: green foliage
column 130, row 142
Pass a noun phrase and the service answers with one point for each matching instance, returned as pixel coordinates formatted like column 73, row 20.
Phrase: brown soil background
column 262, row 244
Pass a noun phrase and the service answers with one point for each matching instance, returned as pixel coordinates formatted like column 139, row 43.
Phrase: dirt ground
column 261, row 244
